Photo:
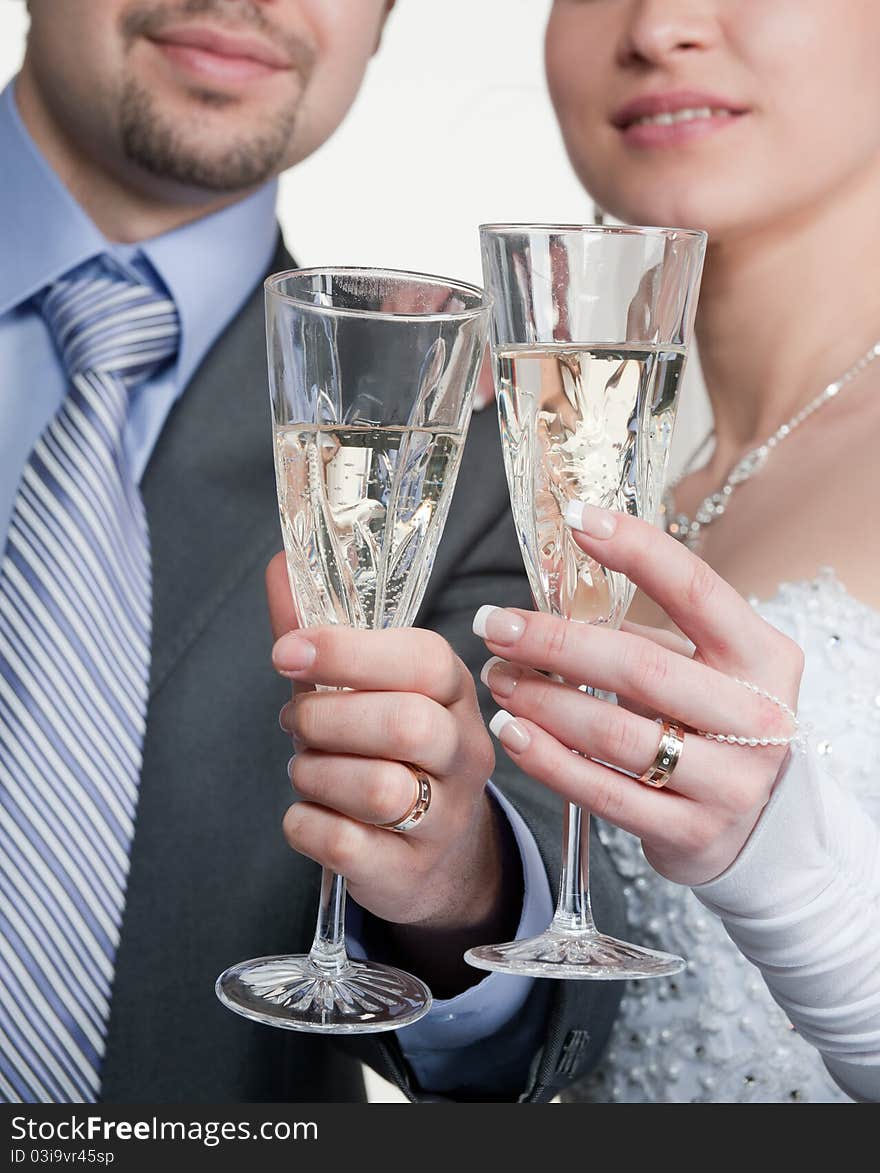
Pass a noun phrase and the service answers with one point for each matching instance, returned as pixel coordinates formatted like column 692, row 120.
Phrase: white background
column 452, row 127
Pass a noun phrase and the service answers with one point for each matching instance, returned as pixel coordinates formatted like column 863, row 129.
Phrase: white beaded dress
column 713, row 1033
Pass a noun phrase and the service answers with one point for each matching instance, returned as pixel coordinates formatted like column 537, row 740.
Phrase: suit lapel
column 479, row 503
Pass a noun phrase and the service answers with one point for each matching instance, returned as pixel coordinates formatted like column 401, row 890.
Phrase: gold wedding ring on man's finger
column 667, row 757
column 420, row 804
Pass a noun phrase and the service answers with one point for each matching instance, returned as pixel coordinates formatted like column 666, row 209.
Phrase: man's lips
column 218, row 55
column 674, row 117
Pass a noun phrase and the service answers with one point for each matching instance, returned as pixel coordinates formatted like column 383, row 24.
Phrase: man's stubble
column 151, row 139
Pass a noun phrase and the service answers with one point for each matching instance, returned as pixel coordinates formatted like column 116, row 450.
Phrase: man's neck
column 123, row 211
column 785, row 311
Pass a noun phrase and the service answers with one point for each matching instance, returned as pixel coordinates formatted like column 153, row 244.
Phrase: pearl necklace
column 687, row 530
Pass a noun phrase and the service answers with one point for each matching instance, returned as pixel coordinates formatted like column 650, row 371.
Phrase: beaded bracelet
column 732, row 739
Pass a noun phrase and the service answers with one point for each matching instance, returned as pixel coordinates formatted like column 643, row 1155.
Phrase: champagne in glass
column 582, row 424
column 371, row 375
column 590, row 330
column 338, row 487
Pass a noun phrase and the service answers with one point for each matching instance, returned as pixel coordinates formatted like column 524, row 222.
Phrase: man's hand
column 410, row 699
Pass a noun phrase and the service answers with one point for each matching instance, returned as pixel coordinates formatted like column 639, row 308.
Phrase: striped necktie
column 75, row 624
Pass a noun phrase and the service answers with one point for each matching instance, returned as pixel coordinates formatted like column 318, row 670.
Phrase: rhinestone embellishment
column 688, row 531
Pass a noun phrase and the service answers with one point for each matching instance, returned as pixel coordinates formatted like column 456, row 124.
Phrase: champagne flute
column 371, row 375
column 590, row 328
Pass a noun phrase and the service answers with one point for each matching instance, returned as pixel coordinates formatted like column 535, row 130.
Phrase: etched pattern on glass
column 362, row 510
column 289, row 987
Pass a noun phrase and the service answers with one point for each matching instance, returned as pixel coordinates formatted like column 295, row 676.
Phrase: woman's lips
column 648, row 134
column 670, row 119
column 220, row 57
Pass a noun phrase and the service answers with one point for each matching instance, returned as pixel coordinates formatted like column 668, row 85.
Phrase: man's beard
column 154, row 142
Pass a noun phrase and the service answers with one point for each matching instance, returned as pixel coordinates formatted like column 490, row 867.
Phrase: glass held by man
column 371, row 375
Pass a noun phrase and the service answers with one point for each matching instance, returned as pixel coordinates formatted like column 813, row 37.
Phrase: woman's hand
column 413, row 701
column 696, row 826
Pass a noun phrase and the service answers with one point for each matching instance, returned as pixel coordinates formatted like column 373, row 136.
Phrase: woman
column 760, row 123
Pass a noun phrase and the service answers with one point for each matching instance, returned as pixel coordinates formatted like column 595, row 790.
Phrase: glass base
column 293, row 993
column 584, row 956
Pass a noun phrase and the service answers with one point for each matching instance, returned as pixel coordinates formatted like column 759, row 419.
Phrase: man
column 141, row 781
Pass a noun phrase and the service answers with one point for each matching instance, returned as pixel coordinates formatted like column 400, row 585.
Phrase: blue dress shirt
column 209, row 267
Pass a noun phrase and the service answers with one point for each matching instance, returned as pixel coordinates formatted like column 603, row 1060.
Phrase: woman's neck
column 787, row 309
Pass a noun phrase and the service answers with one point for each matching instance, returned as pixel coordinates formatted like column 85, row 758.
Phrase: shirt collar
column 211, row 266
column 208, row 266
column 45, row 232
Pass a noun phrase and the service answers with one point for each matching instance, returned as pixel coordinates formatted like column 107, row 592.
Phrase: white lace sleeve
column 802, row 901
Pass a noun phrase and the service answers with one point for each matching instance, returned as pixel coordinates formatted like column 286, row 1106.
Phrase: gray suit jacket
column 212, row 880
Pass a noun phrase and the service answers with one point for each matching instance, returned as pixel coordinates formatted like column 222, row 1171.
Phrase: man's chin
column 210, row 141
column 197, row 169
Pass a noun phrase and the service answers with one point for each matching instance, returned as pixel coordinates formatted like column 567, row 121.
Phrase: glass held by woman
column 590, row 329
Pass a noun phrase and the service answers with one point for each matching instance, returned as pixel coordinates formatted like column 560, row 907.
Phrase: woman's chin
column 719, row 220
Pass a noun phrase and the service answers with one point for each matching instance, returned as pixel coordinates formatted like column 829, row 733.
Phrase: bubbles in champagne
column 362, row 511
column 584, row 423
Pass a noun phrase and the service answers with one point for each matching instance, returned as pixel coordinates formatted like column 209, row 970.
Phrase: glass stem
column 328, row 948
column 573, row 912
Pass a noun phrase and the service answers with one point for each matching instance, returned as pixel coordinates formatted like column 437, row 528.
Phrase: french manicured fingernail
column 596, row 523
column 500, row 676
column 292, row 653
column 283, row 715
column 290, row 762
column 498, row 625
column 509, row 732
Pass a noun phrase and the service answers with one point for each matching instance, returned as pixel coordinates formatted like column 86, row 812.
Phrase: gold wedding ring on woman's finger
column 667, row 757
column 420, row 804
